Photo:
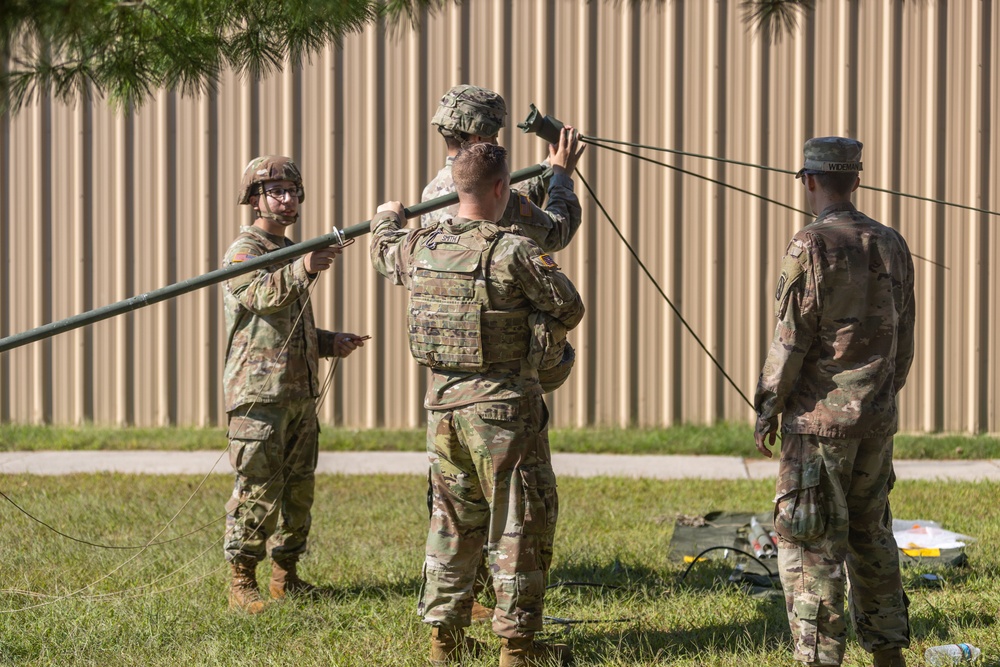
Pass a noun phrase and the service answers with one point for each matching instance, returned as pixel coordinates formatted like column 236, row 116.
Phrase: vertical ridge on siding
column 124, row 402
column 5, row 283
column 373, row 144
column 208, row 359
column 584, row 243
column 83, row 298
column 41, row 253
column 626, row 219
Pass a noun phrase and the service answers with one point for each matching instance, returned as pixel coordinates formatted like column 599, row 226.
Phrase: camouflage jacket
column 519, row 275
column 261, row 310
column 552, row 229
column 843, row 344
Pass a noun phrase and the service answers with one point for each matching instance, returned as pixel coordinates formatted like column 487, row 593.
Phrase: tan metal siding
column 98, row 207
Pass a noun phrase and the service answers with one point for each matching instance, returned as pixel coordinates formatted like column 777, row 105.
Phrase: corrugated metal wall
column 96, row 207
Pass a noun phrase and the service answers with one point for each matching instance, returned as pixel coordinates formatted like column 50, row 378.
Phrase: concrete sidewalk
column 415, row 463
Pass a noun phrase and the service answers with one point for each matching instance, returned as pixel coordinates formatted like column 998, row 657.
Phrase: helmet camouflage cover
column 265, row 169
column 470, row 110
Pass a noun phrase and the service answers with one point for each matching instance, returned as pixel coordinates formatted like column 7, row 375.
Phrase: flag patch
column 525, row 205
column 546, row 262
column 241, row 257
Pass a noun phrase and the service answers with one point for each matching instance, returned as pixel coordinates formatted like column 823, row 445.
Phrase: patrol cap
column 470, row 110
column 831, row 154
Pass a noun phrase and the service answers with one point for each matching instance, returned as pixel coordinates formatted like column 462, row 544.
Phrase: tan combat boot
column 450, row 645
column 481, row 614
column 285, row 580
column 890, row 657
column 526, row 652
column 243, row 593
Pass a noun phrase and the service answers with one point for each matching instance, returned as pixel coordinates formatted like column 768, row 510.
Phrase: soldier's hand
column 345, row 343
column 564, row 156
column 394, row 206
column 320, row 260
column 764, row 434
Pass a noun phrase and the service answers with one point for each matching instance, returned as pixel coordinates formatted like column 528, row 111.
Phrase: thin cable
column 739, row 551
column 662, row 293
column 108, row 546
column 598, row 141
column 737, row 188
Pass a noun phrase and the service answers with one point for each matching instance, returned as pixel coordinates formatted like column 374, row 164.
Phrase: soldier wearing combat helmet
column 841, row 353
column 474, row 288
column 271, row 383
column 470, row 115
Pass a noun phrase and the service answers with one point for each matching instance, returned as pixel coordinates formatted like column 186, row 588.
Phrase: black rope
column 598, row 141
column 697, row 559
column 595, row 142
column 107, row 546
column 662, row 293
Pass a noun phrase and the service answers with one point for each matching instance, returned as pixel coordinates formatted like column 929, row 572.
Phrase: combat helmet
column 265, row 169
column 469, row 109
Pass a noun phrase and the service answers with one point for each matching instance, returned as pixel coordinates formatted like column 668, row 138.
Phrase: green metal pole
column 217, row 276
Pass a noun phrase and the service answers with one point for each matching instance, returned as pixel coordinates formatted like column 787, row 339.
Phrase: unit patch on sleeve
column 545, row 261
column 241, row 257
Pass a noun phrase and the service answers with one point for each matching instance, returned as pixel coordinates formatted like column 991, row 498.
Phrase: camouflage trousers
column 832, row 515
column 273, row 449
column 492, row 481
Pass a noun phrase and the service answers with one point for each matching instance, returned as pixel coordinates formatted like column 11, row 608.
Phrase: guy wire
column 734, row 187
column 660, row 290
column 598, row 141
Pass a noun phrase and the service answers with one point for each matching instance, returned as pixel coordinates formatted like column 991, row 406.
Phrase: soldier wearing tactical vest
column 471, row 115
column 271, row 383
column 474, row 289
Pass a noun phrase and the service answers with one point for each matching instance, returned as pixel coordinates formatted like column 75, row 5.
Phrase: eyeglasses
column 279, row 193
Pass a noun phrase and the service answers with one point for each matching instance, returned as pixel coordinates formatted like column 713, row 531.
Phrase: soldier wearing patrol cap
column 841, row 352
column 271, row 383
column 475, row 288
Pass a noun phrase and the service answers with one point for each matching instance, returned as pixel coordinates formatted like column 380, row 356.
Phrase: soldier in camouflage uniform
column 841, row 352
column 473, row 288
column 271, row 383
column 470, row 115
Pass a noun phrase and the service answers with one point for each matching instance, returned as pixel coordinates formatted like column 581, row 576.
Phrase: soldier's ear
column 254, row 200
column 499, row 187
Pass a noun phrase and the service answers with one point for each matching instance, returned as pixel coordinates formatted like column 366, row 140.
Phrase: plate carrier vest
column 452, row 326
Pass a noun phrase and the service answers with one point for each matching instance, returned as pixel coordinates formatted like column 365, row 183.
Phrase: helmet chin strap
column 286, row 220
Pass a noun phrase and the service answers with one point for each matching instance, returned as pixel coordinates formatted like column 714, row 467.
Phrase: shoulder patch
column 525, row 205
column 545, row 261
column 792, row 268
column 242, row 257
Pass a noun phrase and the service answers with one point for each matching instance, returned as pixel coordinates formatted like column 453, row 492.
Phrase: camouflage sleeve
column 798, row 320
column 544, row 285
column 535, row 188
column 387, row 242
column 553, row 228
column 905, row 326
column 266, row 290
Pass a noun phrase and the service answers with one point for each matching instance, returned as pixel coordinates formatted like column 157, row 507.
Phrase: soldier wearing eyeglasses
column 271, row 384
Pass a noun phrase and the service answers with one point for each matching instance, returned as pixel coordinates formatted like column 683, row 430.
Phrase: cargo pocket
column 799, row 510
column 804, row 624
column 248, row 446
column 541, row 502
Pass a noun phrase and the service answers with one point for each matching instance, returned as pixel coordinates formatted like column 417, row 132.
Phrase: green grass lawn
column 725, row 439
column 367, row 543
